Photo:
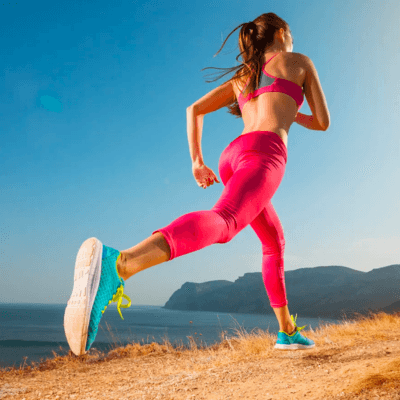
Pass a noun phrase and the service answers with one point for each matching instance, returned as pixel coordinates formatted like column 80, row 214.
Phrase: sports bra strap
column 271, row 58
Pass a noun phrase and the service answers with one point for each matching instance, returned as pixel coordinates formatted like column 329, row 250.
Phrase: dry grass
column 355, row 358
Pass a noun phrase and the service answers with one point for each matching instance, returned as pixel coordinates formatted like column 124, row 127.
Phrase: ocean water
column 35, row 330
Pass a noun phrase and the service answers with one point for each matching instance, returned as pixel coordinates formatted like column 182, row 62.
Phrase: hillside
column 357, row 359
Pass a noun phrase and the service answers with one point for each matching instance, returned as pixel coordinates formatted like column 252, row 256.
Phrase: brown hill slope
column 356, row 359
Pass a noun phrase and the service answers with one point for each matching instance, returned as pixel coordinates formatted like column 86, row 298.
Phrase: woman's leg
column 241, row 201
column 251, row 169
column 151, row 251
column 155, row 250
column 269, row 230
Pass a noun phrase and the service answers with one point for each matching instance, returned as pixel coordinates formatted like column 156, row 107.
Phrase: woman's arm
column 309, row 122
column 315, row 96
column 194, row 132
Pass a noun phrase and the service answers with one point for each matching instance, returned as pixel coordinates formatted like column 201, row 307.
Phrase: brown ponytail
column 254, row 38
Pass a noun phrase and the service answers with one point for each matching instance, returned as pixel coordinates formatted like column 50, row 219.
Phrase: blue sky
column 93, row 100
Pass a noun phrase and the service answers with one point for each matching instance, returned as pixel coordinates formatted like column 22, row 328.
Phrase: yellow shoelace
column 118, row 297
column 298, row 327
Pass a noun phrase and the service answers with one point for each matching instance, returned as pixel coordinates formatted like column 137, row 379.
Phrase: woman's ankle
column 290, row 330
column 121, row 263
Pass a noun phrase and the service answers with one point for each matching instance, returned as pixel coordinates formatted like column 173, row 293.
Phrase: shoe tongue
column 109, row 251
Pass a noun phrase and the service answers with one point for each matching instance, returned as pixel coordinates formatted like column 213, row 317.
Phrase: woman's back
column 276, row 111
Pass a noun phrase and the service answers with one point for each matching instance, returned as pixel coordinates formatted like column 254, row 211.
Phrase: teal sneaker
column 96, row 285
column 294, row 341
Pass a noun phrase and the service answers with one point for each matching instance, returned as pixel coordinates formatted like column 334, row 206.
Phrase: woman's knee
column 273, row 248
column 231, row 226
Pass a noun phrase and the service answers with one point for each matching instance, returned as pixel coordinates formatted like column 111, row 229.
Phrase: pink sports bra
column 270, row 83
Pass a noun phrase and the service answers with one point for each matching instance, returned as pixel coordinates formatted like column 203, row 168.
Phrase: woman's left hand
column 203, row 175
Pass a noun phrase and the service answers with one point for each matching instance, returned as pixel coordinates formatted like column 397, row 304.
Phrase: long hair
column 254, row 38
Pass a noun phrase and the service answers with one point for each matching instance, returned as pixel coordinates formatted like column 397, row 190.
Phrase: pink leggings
column 251, row 168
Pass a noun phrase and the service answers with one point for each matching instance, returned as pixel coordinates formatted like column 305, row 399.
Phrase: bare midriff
column 274, row 111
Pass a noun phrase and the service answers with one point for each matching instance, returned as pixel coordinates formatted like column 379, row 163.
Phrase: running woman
column 267, row 91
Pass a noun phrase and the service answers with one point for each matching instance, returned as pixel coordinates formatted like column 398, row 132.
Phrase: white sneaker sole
column 86, row 282
column 293, row 346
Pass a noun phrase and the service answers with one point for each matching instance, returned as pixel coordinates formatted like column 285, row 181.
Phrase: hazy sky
column 93, row 134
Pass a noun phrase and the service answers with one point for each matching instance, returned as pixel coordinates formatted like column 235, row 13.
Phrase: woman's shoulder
column 287, row 56
column 292, row 56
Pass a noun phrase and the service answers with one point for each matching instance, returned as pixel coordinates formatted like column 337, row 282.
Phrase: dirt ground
column 361, row 367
